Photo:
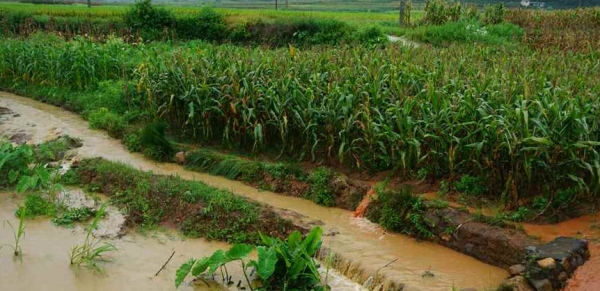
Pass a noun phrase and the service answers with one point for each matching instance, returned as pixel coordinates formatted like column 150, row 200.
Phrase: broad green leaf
column 43, row 175
column 183, row 271
column 268, row 241
column 294, row 239
column 12, row 176
column 239, row 251
column 217, row 259
column 267, row 259
column 23, row 184
column 200, row 266
column 312, row 242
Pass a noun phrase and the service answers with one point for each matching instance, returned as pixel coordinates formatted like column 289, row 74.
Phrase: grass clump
column 35, row 205
column 109, row 121
column 70, row 216
column 92, row 251
column 399, row 211
column 467, row 31
column 320, row 192
column 470, row 185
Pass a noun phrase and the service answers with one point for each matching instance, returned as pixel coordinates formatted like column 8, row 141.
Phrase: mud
column 365, row 245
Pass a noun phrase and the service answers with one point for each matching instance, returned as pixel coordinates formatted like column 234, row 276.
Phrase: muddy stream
column 139, row 257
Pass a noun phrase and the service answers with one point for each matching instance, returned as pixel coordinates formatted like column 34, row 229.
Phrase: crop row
column 527, row 122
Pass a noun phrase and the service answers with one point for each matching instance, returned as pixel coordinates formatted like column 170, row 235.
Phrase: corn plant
column 18, row 233
column 92, row 251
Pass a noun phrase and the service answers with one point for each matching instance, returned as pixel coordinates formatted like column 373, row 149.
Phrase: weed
column 109, row 121
column 70, row 216
column 320, row 192
column 470, row 185
column 35, row 205
column 92, row 251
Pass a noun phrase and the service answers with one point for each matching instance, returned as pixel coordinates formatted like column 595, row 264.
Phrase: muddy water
column 356, row 238
column 45, row 263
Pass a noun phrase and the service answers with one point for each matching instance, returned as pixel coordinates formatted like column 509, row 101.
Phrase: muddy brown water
column 45, row 262
column 356, row 239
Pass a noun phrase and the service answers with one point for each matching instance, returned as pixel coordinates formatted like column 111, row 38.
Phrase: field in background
column 233, row 15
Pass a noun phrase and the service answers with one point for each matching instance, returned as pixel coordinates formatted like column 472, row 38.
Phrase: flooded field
column 368, row 246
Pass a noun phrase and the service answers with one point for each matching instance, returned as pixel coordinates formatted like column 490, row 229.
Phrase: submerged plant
column 92, row 251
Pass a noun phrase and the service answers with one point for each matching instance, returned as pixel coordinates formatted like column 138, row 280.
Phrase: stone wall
column 547, row 267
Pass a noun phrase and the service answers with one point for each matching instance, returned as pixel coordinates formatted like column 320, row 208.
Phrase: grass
column 92, row 251
column 197, row 209
column 233, row 15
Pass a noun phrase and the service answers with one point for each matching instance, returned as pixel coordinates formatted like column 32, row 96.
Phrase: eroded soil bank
column 366, row 248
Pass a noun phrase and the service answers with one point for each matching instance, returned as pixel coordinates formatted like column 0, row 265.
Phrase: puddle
column 356, row 239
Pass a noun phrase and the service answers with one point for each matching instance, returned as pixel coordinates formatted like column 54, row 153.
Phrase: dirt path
column 358, row 240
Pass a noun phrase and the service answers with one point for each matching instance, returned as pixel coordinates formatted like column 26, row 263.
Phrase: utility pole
column 89, row 2
column 275, row 4
column 401, row 17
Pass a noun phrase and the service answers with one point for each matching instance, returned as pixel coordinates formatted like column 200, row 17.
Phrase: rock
column 547, row 263
column 542, row 285
column 516, row 270
column 517, row 283
column 180, row 158
column 367, row 284
column 579, row 260
column 562, row 248
column 563, row 277
column 566, row 265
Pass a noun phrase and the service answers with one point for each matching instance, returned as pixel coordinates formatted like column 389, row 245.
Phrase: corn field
column 526, row 121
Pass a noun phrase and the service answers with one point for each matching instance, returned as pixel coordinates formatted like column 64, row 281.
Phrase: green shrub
column 471, row 185
column 372, row 35
column 320, row 191
column 109, row 121
column 36, row 205
column 149, row 21
column 133, row 141
column 206, row 25
column 400, row 211
column 155, row 143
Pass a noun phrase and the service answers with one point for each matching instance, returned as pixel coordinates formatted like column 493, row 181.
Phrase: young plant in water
column 18, row 233
column 92, row 251
column 281, row 265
